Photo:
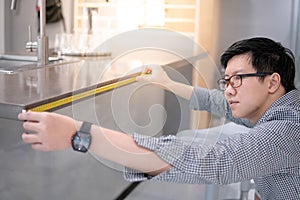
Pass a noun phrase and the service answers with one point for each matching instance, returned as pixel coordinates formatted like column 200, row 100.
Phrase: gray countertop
column 36, row 87
column 58, row 85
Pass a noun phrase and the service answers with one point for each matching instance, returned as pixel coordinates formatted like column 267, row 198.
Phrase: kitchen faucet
column 13, row 4
column 42, row 40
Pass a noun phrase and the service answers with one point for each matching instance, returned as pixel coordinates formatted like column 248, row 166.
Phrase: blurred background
column 213, row 24
column 85, row 25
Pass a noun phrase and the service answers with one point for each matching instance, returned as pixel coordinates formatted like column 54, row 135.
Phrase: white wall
column 232, row 20
column 223, row 22
column 2, row 25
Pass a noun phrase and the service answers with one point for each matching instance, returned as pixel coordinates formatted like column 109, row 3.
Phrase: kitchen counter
column 55, row 86
column 58, row 85
column 130, row 108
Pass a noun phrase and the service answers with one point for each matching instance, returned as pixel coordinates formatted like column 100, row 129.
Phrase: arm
column 121, row 148
column 240, row 157
column 212, row 101
column 54, row 132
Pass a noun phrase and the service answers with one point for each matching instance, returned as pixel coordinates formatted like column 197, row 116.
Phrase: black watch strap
column 85, row 127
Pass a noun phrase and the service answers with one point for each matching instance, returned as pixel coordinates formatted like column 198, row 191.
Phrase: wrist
column 78, row 124
column 169, row 85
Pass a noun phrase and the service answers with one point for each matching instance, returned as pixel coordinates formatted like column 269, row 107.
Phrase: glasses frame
column 224, row 82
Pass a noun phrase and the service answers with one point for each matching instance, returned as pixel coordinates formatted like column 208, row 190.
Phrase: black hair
column 266, row 55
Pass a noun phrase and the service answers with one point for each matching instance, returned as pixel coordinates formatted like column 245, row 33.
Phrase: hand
column 156, row 75
column 51, row 131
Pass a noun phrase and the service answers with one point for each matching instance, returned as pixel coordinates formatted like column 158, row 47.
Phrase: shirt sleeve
column 234, row 159
column 186, row 159
column 214, row 102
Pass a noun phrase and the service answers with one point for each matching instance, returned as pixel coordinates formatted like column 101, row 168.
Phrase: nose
column 230, row 91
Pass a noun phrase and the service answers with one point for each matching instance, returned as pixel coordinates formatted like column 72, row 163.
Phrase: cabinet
column 120, row 15
column 182, row 16
column 100, row 11
column 35, row 175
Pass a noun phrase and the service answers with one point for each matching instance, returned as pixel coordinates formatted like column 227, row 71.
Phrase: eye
column 236, row 78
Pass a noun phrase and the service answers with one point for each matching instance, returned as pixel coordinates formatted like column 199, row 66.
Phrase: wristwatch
column 82, row 139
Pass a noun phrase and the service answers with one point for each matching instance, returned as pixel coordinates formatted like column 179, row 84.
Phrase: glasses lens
column 235, row 81
column 222, row 84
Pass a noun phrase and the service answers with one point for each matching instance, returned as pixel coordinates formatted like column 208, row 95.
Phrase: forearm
column 122, row 149
column 180, row 89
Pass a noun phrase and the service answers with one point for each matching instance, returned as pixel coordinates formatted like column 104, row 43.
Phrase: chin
column 236, row 115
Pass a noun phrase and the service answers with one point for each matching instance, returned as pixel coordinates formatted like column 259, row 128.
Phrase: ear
column 274, row 82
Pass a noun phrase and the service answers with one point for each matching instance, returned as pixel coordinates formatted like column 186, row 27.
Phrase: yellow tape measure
column 79, row 96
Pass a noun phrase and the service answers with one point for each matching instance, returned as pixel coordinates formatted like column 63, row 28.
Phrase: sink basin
column 10, row 64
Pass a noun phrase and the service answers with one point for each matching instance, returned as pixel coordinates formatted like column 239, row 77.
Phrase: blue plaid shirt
column 269, row 153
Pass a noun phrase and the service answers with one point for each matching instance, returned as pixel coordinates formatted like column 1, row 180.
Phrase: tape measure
column 67, row 99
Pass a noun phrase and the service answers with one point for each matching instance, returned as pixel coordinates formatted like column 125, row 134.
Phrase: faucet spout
column 42, row 39
column 13, row 4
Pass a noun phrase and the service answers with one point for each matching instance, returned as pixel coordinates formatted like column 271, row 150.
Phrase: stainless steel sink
column 10, row 64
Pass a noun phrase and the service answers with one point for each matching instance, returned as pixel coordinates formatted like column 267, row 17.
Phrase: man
column 259, row 93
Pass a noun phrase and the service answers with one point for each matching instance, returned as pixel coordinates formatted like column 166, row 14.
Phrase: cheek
column 253, row 99
column 259, row 93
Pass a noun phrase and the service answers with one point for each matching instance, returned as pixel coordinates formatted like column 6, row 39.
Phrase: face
column 250, row 99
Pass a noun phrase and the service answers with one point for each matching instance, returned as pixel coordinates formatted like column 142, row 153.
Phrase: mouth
column 232, row 102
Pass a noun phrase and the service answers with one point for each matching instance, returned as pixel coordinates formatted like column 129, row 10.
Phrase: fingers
column 30, row 138
column 143, row 78
column 30, row 116
column 31, row 126
column 147, row 70
column 147, row 73
column 48, row 131
column 33, row 139
column 31, row 119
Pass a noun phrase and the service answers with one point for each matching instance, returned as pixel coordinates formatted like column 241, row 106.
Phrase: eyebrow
column 235, row 73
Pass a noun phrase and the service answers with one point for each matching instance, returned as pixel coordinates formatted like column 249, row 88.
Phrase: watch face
column 81, row 141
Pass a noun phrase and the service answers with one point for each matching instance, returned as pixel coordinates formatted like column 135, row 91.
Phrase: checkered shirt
column 269, row 153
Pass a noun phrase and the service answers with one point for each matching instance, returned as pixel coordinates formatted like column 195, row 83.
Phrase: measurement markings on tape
column 82, row 95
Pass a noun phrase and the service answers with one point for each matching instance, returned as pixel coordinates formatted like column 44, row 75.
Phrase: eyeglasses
column 236, row 80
